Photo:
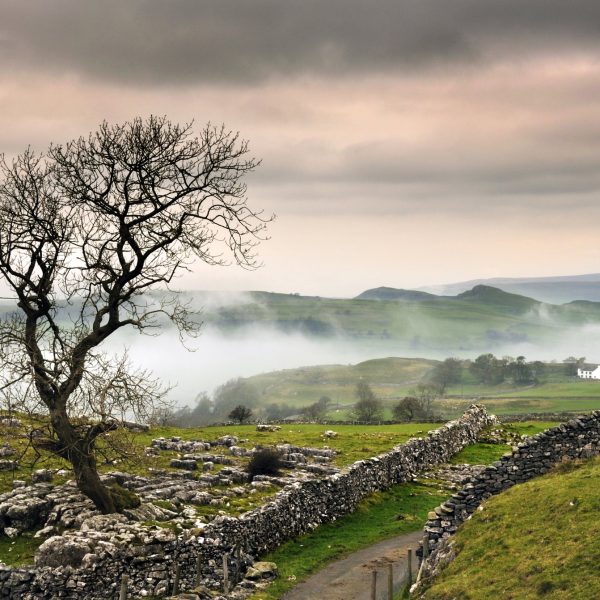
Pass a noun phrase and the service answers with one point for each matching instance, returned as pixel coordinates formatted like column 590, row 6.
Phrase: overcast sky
column 404, row 143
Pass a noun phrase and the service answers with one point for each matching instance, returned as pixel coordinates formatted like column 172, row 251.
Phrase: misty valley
column 251, row 333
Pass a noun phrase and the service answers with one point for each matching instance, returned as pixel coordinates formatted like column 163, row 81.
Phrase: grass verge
column 400, row 510
column 18, row 552
column 536, row 540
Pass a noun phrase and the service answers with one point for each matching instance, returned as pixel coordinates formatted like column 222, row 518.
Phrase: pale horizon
column 405, row 145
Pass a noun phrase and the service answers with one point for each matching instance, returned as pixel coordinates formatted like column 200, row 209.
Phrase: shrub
column 265, row 462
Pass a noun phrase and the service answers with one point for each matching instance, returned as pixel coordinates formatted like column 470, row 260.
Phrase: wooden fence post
column 390, row 581
column 225, row 575
column 409, row 565
column 198, row 571
column 238, row 565
column 123, row 591
column 374, row 586
column 425, row 545
column 176, row 580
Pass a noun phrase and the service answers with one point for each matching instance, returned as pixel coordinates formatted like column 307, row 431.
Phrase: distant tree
column 198, row 416
column 447, row 373
column 324, row 401
column 572, row 364
column 203, row 412
column 489, row 369
column 232, row 393
column 409, row 408
column 241, row 414
column 538, row 369
column 317, row 410
column 521, row 372
column 368, row 408
column 162, row 416
column 426, row 393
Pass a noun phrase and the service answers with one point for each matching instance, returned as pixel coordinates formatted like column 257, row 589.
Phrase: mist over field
column 217, row 357
column 249, row 333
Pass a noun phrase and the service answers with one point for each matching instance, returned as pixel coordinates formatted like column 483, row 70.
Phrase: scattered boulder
column 265, row 427
column 61, row 551
column 226, row 440
column 262, row 570
column 11, row 532
column 188, row 465
column 6, row 450
column 41, row 475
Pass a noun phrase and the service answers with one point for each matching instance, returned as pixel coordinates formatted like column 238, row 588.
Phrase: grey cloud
column 179, row 41
column 389, row 170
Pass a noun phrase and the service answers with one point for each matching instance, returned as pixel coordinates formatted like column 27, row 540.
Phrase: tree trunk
column 79, row 452
column 89, row 484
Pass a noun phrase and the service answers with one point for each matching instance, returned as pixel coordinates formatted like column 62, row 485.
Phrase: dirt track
column 350, row 577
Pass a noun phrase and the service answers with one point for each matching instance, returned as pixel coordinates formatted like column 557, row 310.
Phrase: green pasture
column 353, row 442
column 538, row 539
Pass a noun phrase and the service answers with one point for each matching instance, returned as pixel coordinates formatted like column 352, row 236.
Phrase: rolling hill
column 393, row 378
column 483, row 318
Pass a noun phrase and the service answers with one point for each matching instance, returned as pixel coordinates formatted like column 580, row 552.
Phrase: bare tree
column 86, row 232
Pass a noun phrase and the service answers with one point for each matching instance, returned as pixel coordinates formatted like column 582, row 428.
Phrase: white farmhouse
column 594, row 374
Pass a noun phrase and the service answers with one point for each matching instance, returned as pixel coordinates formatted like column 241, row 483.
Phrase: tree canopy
column 87, row 230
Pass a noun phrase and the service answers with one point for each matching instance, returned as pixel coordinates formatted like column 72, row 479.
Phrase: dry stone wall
column 99, row 558
column 578, row 438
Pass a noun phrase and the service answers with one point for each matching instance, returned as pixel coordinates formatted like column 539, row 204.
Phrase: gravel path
column 350, row 577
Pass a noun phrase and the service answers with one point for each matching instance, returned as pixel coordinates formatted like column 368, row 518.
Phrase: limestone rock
column 61, row 551
column 262, row 570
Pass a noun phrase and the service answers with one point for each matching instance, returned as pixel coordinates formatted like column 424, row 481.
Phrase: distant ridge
column 555, row 290
column 493, row 295
column 483, row 294
column 388, row 293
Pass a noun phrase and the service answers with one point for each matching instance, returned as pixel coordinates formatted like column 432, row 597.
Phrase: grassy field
column 538, row 539
column 354, row 442
column 569, row 395
column 393, row 378
column 399, row 510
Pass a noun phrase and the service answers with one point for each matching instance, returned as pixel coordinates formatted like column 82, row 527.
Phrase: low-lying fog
column 218, row 358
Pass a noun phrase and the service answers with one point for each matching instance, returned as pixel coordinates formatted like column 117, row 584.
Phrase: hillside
column 387, row 293
column 483, row 318
column 393, row 378
column 538, row 539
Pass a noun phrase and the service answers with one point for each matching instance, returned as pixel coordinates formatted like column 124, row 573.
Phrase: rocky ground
column 206, row 479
